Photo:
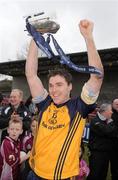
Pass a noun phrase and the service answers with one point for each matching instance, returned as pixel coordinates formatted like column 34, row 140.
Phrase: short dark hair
column 61, row 72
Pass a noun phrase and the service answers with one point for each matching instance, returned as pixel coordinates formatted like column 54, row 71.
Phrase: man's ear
column 70, row 86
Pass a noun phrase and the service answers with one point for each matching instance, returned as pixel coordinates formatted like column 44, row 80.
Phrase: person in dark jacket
column 114, row 153
column 102, row 130
column 1, row 98
column 15, row 108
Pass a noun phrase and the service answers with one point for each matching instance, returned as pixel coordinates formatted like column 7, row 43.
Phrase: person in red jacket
column 27, row 144
column 10, row 152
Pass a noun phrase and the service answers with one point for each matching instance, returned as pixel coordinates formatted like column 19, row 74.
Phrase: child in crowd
column 83, row 167
column 27, row 141
column 10, row 151
column 27, row 145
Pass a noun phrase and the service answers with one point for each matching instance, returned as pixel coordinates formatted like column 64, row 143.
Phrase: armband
column 39, row 99
column 88, row 96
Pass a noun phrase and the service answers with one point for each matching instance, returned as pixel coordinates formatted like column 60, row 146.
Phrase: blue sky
column 14, row 41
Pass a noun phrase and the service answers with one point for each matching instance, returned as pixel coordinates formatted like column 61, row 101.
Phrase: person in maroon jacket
column 10, row 152
column 27, row 144
column 27, row 141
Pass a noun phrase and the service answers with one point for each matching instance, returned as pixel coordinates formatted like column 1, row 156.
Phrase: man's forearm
column 35, row 84
column 93, row 56
column 95, row 81
column 32, row 61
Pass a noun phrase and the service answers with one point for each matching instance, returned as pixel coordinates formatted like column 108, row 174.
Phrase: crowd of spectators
column 102, row 135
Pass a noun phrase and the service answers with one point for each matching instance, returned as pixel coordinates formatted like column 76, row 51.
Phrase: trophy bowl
column 45, row 25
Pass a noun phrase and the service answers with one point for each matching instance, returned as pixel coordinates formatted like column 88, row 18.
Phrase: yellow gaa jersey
column 55, row 152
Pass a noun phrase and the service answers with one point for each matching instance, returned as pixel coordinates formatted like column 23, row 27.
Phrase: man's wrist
column 89, row 39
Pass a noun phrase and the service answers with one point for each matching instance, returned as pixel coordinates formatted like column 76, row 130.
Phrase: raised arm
column 95, row 81
column 31, row 68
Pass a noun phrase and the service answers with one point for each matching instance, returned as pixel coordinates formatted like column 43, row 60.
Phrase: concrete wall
column 108, row 92
column 20, row 82
column 109, row 89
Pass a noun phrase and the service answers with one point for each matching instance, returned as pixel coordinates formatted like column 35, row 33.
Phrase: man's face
column 59, row 89
column 115, row 104
column 108, row 112
column 15, row 98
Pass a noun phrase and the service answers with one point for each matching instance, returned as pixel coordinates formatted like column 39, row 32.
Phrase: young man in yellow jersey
column 62, row 119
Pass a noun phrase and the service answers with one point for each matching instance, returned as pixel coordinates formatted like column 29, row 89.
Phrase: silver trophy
column 43, row 25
